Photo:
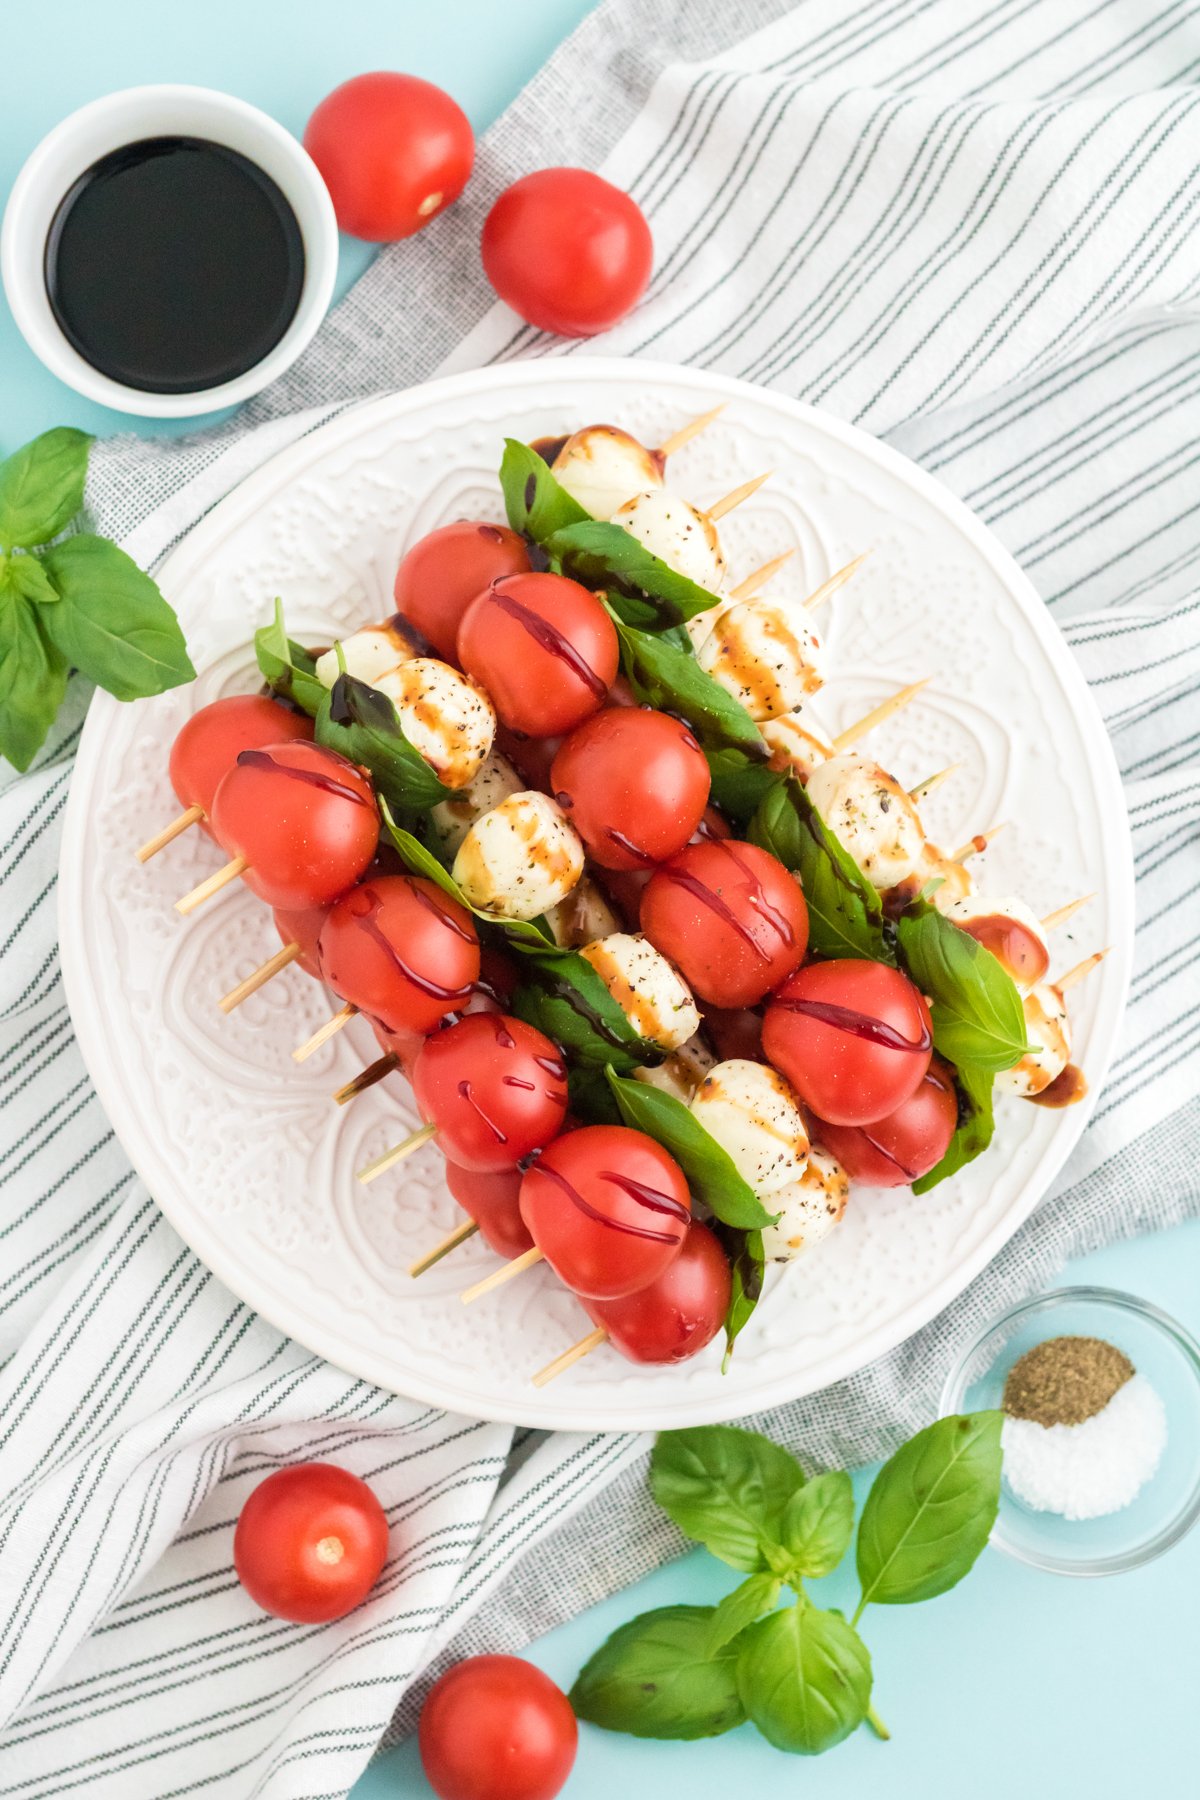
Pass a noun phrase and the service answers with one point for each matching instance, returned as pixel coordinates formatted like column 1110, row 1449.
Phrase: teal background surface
column 1015, row 1684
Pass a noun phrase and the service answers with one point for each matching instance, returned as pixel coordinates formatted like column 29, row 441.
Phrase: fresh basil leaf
column 654, row 1678
column 603, row 554
column 747, row 1264
column 287, row 667
column 819, row 1523
column 739, row 783
column 112, row 624
column 977, row 1013
column 673, row 681
column 930, row 1511
column 418, row 859
column 33, row 679
column 362, row 724
column 973, row 1133
column 804, row 1676
column 41, row 487
column 757, row 1595
column 536, row 505
column 29, row 578
column 845, row 914
column 710, row 1172
column 728, row 1489
column 563, row 996
column 590, row 1097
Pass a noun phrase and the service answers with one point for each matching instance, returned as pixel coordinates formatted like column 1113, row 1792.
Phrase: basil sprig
column 287, row 667
column 664, row 676
column 645, row 590
column 563, row 996
column 709, row 1169
column 977, row 1014
column 418, row 859
column 740, row 783
column 973, row 1133
column 362, row 724
column 748, row 1268
column 801, row 1674
column 79, row 603
column 537, row 506
column 845, row 913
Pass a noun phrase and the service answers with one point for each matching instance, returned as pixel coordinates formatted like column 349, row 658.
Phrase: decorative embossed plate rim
column 813, row 1328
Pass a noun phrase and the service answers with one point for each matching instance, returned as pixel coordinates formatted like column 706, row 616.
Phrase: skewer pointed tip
column 845, row 740
column 691, row 430
column 758, row 578
column 931, row 783
column 1081, row 971
column 838, row 579
column 737, row 495
column 1062, row 913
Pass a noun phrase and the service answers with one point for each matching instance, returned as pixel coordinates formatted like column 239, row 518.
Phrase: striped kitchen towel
column 968, row 225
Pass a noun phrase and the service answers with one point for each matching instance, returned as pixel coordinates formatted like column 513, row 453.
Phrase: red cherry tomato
column 904, row 1145
column 608, row 1208
column 208, row 744
column 394, row 152
column 568, row 251
column 493, row 1201
column 499, row 973
column 634, row 784
column 730, row 917
column 676, row 1316
column 310, row 1542
column 401, row 950
column 496, row 1728
column 444, row 571
column 303, row 817
column 853, row 1038
column 302, row 927
column 713, row 824
column 734, row 1034
column 544, row 649
column 495, row 1087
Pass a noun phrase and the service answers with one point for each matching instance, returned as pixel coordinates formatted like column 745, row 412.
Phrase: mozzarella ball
column 808, row 1209
column 647, row 989
column 681, row 1074
column 583, row 916
column 767, row 657
column 443, row 715
column 1048, row 1029
column 493, row 782
column 1026, row 955
column 677, row 533
column 797, row 744
column 371, row 652
column 602, row 467
column 699, row 627
column 755, row 1117
column 871, row 816
column 519, row 858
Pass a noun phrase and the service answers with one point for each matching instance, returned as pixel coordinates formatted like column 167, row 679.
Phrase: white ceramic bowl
column 124, row 118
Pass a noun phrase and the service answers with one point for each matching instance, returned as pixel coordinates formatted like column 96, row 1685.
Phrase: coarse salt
column 1084, row 1471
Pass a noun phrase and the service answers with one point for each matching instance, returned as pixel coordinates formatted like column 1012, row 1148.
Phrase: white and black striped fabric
column 969, row 225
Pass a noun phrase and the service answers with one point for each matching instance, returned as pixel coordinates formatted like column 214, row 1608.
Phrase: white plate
column 245, row 1152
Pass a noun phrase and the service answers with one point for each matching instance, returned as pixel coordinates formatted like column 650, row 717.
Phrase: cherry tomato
column 608, row 1208
column 303, row 817
column 495, row 1087
column 394, row 152
column 730, row 917
column 496, row 1728
column 447, row 569
column 499, row 973
column 675, row 1316
column 302, row 927
column 853, row 1038
column 493, row 1201
column 634, row 784
column 734, row 1034
column 713, row 824
column 401, row 950
column 904, row 1145
column 568, row 251
column 208, row 744
column 544, row 649
column 310, row 1542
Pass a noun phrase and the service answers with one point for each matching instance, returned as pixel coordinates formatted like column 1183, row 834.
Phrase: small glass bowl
column 1161, row 1350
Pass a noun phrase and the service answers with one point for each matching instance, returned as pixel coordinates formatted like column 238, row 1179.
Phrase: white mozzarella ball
column 443, row 715
column 797, row 744
column 603, row 466
column 1048, row 1029
column 493, row 782
column 753, row 1114
column 808, row 1209
column 657, row 1003
column 678, row 533
column 767, row 656
column 681, row 1074
column 519, row 858
column 1029, row 938
column 871, row 816
column 370, row 653
column 583, row 916
column 699, row 627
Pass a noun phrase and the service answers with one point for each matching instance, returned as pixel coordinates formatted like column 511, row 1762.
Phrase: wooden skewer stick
column 212, row 886
column 845, row 740
column 169, row 833
column 1063, row 913
column 838, row 579
column 397, row 1153
column 931, row 783
column 758, row 578
column 575, row 1354
column 499, row 1276
column 324, row 1032
column 458, row 1236
column 729, row 501
column 265, row 972
column 978, row 844
column 691, row 430
column 1074, row 976
column 366, row 1078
